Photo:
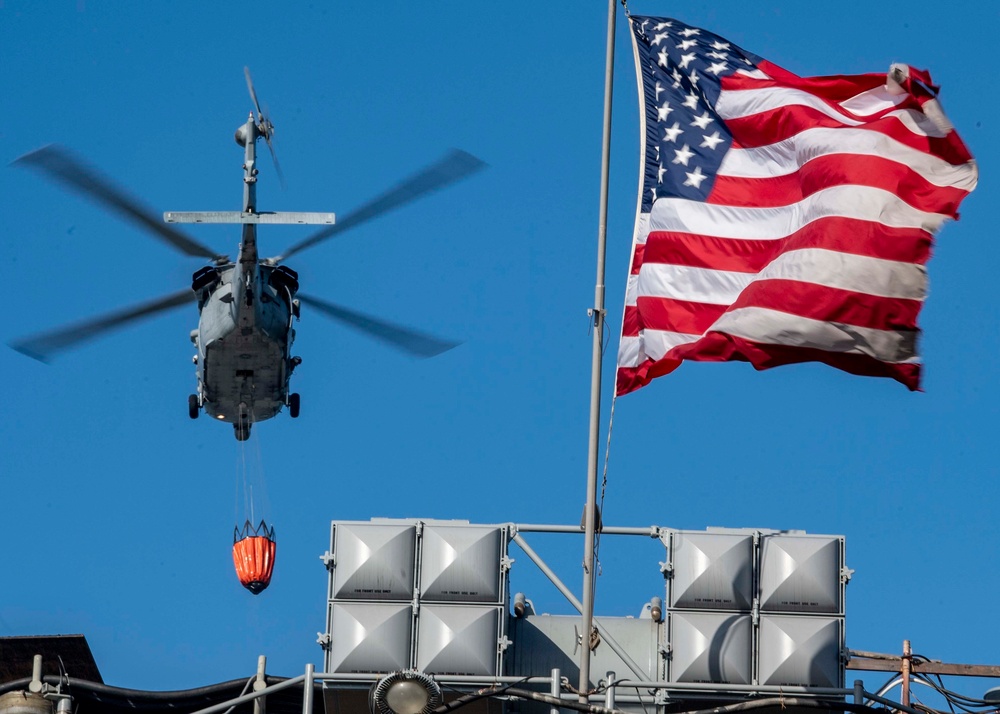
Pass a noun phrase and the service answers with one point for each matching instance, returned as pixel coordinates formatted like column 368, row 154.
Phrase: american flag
column 781, row 219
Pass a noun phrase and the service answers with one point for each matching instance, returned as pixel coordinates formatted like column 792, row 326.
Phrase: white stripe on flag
column 657, row 343
column 780, row 328
column 787, row 156
column 827, row 268
column 872, row 101
column 682, row 215
column 845, row 271
column 630, row 352
column 680, row 282
column 740, row 103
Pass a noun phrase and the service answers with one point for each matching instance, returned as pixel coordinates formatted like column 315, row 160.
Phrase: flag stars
column 703, row 121
column 671, row 133
column 683, row 81
column 662, row 26
column 694, row 178
column 683, row 155
column 712, row 140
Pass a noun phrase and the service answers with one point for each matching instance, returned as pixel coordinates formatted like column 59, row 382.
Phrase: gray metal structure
column 686, row 652
column 756, row 607
column 247, row 306
column 426, row 595
column 742, row 612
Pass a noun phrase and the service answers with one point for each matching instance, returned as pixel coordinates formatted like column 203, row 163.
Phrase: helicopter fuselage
column 243, row 341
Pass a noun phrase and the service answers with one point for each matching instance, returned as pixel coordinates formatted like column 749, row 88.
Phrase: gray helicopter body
column 247, row 307
column 243, row 356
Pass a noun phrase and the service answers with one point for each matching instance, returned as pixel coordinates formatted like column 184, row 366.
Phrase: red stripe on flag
column 834, row 88
column 639, row 250
column 844, row 235
column 718, row 347
column 819, row 302
column 774, row 125
column 630, row 379
column 816, row 302
column 630, row 321
column 837, row 170
column 690, row 318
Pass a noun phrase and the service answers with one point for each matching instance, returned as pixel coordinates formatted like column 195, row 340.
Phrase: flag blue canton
column 682, row 69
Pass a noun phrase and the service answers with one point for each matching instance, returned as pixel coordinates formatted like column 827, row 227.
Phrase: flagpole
column 597, row 313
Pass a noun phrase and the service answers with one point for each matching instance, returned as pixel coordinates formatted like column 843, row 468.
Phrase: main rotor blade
column 455, row 165
column 59, row 164
column 44, row 346
column 253, row 94
column 419, row 344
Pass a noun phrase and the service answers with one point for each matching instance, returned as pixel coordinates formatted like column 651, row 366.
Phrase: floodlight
column 406, row 692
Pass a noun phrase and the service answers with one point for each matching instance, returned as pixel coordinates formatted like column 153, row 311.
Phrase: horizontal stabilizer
column 287, row 218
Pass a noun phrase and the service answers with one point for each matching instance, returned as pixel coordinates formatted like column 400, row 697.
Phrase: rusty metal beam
column 895, row 664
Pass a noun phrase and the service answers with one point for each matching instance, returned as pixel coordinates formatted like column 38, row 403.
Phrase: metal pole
column 906, row 673
column 595, row 374
column 260, row 684
column 307, row 690
column 36, row 685
column 555, row 688
column 609, row 694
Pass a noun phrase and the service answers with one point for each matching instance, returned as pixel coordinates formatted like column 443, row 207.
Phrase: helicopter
column 248, row 306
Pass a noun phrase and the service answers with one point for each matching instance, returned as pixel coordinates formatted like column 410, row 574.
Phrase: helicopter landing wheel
column 193, row 406
column 242, row 431
column 293, row 405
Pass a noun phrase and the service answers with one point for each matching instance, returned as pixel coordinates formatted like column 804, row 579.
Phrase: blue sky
column 118, row 510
